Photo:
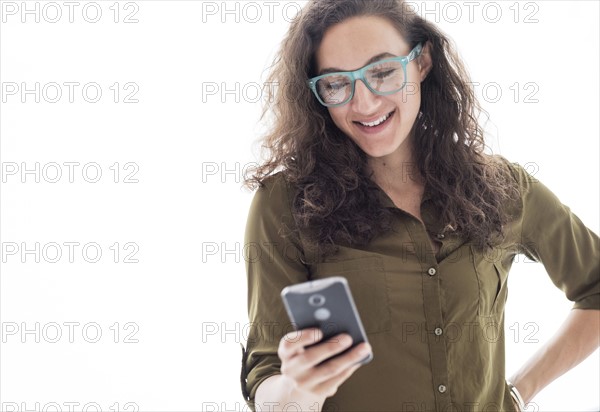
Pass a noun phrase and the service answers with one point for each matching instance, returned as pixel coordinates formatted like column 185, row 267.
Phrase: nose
column 364, row 100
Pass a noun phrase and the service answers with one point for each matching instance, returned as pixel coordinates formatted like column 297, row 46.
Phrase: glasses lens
column 334, row 89
column 386, row 76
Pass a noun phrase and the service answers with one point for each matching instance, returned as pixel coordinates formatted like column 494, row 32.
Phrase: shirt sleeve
column 552, row 234
column 273, row 262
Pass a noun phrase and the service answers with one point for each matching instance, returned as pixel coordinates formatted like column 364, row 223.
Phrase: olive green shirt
column 435, row 322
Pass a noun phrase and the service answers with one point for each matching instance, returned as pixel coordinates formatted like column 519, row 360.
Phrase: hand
column 303, row 368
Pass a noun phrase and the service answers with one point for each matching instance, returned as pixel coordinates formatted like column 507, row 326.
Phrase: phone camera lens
column 316, row 300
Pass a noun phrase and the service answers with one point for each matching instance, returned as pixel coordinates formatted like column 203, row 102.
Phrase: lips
column 376, row 125
column 376, row 122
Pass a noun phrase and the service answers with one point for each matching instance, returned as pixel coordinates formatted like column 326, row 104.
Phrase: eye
column 333, row 85
column 382, row 74
column 337, row 85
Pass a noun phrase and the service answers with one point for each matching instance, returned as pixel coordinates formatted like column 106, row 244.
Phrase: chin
column 382, row 149
column 376, row 153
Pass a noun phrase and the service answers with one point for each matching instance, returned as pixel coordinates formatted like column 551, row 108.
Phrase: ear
column 424, row 61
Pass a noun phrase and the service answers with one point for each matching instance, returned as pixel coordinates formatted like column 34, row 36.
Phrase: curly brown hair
column 334, row 201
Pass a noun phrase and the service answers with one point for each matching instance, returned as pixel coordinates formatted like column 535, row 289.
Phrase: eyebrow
column 371, row 60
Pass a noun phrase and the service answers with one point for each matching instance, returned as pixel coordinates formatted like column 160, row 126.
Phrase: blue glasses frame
column 360, row 75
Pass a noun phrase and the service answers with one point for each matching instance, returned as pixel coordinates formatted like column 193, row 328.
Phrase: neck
column 398, row 171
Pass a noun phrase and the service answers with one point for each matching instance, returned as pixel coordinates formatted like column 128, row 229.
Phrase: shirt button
column 438, row 331
column 440, row 236
column 442, row 388
column 431, row 271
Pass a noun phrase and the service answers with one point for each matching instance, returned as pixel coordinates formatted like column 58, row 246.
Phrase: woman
column 377, row 173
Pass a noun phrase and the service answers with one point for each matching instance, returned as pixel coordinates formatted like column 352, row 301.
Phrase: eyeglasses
column 383, row 77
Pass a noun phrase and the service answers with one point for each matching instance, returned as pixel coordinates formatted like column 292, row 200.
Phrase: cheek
column 410, row 97
column 409, row 104
column 338, row 115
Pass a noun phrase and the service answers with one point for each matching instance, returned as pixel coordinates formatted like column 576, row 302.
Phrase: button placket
column 433, row 311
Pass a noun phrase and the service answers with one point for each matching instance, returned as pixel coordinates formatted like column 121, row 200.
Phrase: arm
column 552, row 234
column 275, row 261
column 576, row 339
column 276, row 368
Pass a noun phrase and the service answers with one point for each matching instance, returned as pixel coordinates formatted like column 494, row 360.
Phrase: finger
column 334, row 367
column 330, row 386
column 327, row 349
column 293, row 343
column 301, row 365
column 313, row 376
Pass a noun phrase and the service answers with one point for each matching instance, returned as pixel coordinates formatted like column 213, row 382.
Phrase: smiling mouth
column 377, row 122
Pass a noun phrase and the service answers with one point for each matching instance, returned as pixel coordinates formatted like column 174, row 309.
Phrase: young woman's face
column 351, row 45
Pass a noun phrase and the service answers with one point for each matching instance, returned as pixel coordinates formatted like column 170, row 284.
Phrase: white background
column 184, row 301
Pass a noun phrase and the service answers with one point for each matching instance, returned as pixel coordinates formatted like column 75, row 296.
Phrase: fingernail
column 318, row 334
column 345, row 340
column 366, row 348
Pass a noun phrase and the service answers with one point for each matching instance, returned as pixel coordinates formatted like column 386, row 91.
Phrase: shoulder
column 519, row 173
column 273, row 192
column 516, row 182
column 271, row 204
column 535, row 198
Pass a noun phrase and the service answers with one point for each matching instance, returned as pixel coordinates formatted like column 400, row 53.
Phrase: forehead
column 350, row 44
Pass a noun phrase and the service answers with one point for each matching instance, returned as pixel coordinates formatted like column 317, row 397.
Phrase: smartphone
column 327, row 304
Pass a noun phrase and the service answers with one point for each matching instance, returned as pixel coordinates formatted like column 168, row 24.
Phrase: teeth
column 377, row 122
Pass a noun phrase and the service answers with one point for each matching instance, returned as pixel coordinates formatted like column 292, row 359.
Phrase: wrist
column 527, row 384
column 516, row 396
